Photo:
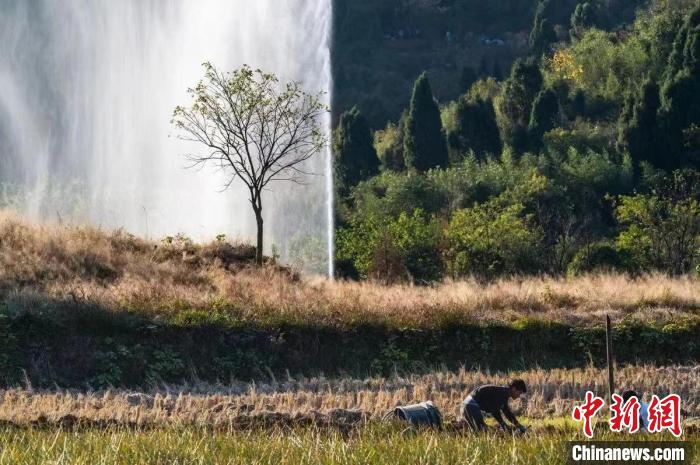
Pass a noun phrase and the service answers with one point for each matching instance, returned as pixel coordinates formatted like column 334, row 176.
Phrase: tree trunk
column 259, row 247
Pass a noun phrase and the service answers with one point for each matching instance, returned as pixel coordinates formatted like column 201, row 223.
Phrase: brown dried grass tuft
column 550, row 393
column 119, row 271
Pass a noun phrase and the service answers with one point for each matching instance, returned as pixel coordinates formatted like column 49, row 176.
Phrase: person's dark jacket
column 494, row 400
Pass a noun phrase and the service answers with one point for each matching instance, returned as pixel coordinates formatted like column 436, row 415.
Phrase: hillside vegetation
column 584, row 158
column 124, row 273
column 96, row 308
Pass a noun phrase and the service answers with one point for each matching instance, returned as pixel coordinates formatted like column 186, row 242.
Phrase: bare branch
column 252, row 128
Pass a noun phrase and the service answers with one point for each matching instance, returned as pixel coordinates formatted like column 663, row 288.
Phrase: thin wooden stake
column 608, row 344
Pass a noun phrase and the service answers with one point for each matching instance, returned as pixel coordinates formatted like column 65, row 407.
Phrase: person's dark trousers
column 473, row 416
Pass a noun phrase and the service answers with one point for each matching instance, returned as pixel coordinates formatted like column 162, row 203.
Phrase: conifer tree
column 355, row 156
column 515, row 103
column 638, row 133
column 680, row 93
column 476, row 129
column 424, row 142
column 584, row 17
column 542, row 35
column 544, row 117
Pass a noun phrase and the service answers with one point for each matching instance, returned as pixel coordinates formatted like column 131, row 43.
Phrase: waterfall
column 87, row 89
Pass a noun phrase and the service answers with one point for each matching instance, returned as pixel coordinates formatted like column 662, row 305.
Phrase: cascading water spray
column 330, row 187
column 87, row 88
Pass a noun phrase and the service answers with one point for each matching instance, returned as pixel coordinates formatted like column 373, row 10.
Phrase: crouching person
column 492, row 400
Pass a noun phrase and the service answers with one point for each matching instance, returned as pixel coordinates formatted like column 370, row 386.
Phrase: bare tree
column 254, row 129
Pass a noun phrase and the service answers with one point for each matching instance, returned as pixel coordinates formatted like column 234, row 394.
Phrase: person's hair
column 518, row 384
column 628, row 394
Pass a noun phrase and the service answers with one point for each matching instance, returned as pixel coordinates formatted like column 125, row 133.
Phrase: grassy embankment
column 88, row 308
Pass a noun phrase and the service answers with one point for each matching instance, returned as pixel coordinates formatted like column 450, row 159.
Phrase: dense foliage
column 381, row 46
column 424, row 141
column 584, row 158
column 357, row 157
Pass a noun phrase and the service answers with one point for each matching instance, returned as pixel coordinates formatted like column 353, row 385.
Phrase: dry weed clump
column 118, row 271
column 327, row 401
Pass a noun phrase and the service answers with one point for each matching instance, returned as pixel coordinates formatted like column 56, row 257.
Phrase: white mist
column 87, row 89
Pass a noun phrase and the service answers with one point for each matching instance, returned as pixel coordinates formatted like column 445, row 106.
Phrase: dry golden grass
column 551, row 393
column 119, row 271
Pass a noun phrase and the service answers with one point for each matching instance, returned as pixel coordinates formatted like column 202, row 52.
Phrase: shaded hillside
column 584, row 158
column 381, row 46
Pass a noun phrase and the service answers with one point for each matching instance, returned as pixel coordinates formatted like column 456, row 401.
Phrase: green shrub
column 388, row 143
column 165, row 365
column 598, row 256
column 489, row 240
column 601, row 65
column 661, row 230
column 391, row 194
column 417, row 238
column 405, row 248
column 581, row 135
column 471, row 126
